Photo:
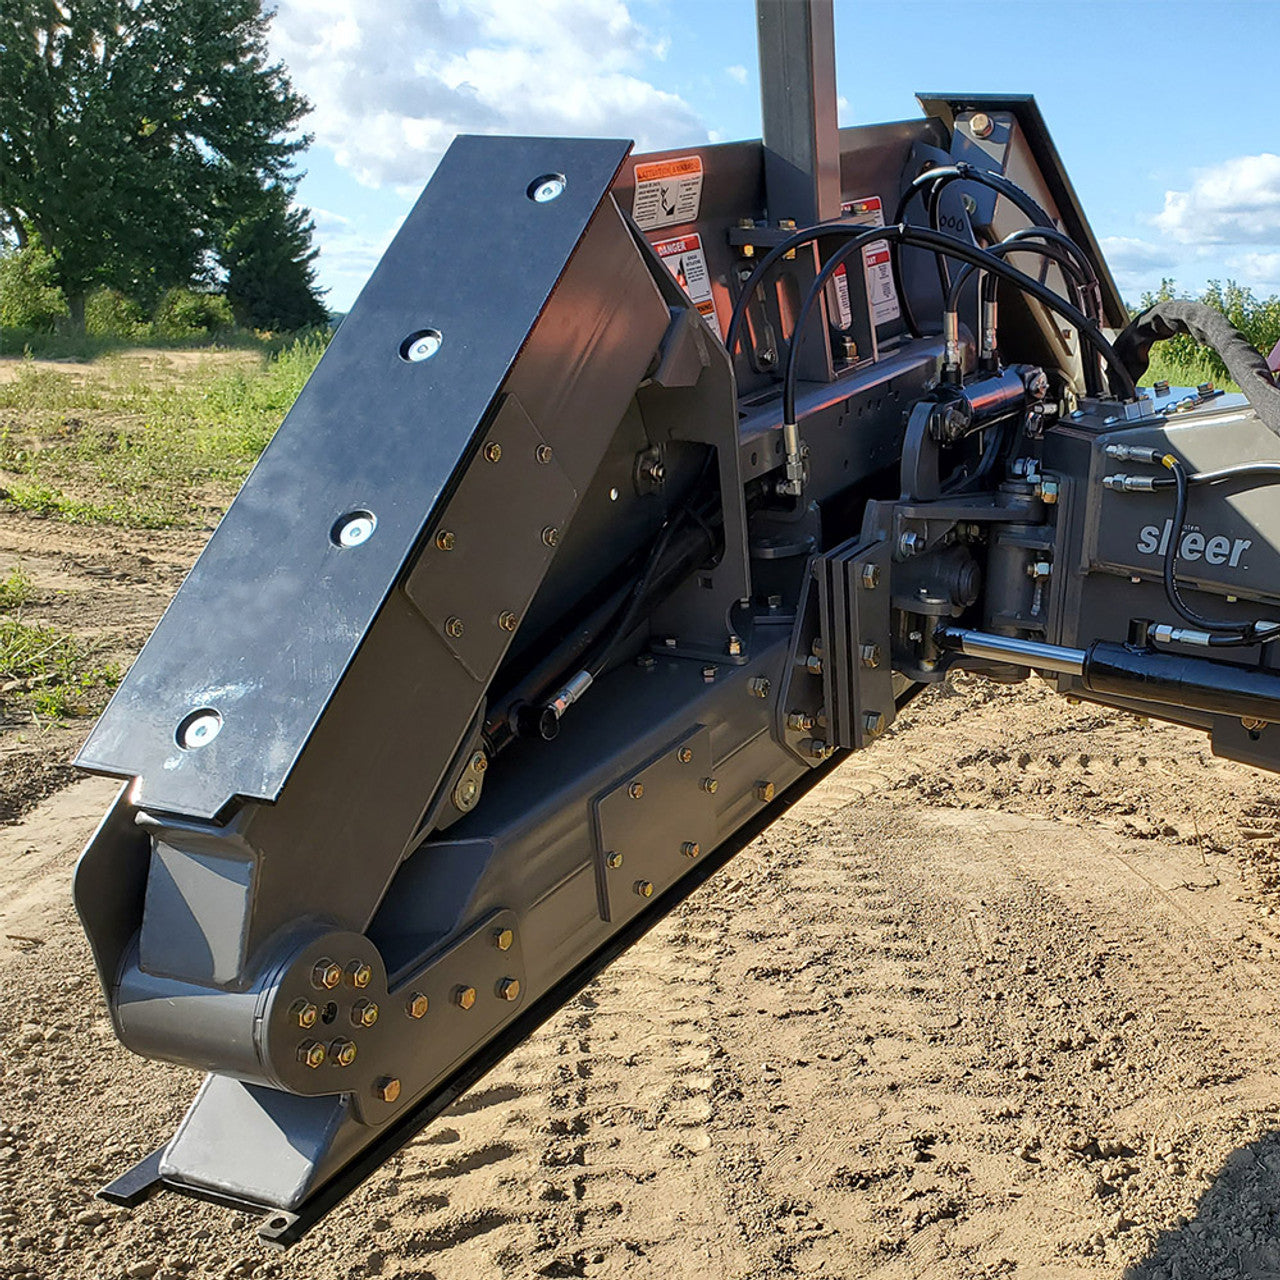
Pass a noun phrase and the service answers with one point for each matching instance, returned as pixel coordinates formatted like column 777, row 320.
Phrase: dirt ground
column 998, row 998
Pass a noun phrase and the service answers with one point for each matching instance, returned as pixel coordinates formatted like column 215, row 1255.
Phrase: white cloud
column 1124, row 253
column 392, row 83
column 737, row 74
column 1235, row 202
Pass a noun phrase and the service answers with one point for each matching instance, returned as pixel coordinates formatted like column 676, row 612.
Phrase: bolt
column 492, row 451
column 388, row 1089
column 453, row 628
column 355, row 529
column 613, row 860
column 849, row 349
column 636, row 790
column 1048, row 491
column 465, row 794
column 1041, row 569
column 799, row 722
column 813, row 664
column 759, row 687
column 543, row 453
column 768, row 358
column 359, row 974
column 870, row 655
column 691, row 848
column 507, row 620
column 479, row 762
column 871, row 576
column 343, row 1052
column 364, row 1013
column 646, row 661
column 504, row 939
column 818, row 749
column 509, row 989
column 910, row 544
column 644, row 888
column 325, row 974
column 464, row 997
column 311, row 1053
column 199, row 730
column 445, row 540
column 734, row 647
column 684, row 755
column 417, row 1005
column 1252, row 724
column 711, row 785
column 873, row 724
column 981, row 124
column 551, row 536
column 708, row 675
column 304, row 1013
column 765, row 791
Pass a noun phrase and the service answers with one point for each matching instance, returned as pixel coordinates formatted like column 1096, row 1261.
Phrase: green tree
column 129, row 127
column 29, row 293
column 268, row 258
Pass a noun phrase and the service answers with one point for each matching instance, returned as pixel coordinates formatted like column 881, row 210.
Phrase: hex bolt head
column 359, row 974
column 873, row 724
column 388, row 1089
column 710, row 785
column 765, row 791
column 453, row 628
column 813, row 664
column 417, row 1005
column 1048, row 491
column 342, row 1052
column 613, row 860
column 870, row 576
column 543, row 453
column 636, row 790
column 492, row 451
column 734, row 646
column 869, row 655
column 504, row 939
column 684, row 755
column 507, row 620
column 759, row 687
column 509, row 989
column 799, row 722
column 910, row 544
column 981, row 124
column 364, row 1013
column 464, row 997
column 551, row 536
column 445, row 540
column 479, row 762
column 644, row 888
column 304, row 1014
column 311, row 1053
column 326, row 974
column 691, row 848
column 708, row 674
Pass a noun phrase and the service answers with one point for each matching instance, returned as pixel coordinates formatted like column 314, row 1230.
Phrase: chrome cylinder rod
column 1022, row 653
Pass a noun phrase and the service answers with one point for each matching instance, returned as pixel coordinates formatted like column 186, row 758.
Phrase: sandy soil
column 999, row 998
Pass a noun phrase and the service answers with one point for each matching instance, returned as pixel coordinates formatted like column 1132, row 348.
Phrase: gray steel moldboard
column 272, row 614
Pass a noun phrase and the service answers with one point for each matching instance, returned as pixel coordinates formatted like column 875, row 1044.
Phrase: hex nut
column 691, row 848
column 492, row 451
column 453, row 628
column 464, row 997
column 509, row 989
column 304, row 1014
column 759, row 686
column 543, row 453
column 445, row 540
column 799, row 722
column 734, row 646
column 311, row 1053
column 388, row 1089
column 765, row 791
column 504, row 939
column 326, row 974
column 869, row 655
column 359, row 974
column 873, row 723
column 613, row 860
column 417, row 1005
column 364, row 1013
column 343, row 1052
column 507, row 620
column 871, row 576
column 636, row 790
column 644, row 888
column 684, row 755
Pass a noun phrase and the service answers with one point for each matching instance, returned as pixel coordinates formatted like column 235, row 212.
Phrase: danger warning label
column 686, row 261
column 876, row 261
column 668, row 192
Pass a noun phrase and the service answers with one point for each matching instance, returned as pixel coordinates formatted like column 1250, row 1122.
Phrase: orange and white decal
column 668, row 192
column 876, row 262
column 685, row 259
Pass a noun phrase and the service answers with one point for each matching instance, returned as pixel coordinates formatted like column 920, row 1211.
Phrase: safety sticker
column 686, row 261
column 668, row 192
column 876, row 261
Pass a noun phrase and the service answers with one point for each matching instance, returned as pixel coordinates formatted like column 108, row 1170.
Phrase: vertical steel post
column 798, row 103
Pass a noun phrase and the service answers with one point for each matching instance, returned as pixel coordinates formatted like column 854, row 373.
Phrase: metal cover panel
column 273, row 612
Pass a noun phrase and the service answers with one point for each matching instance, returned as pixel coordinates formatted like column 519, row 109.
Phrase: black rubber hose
column 1244, row 363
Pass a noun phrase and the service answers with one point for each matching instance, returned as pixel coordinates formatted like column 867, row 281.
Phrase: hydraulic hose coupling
column 951, row 346
column 990, row 310
column 1134, row 453
column 793, row 484
column 570, row 693
column 1130, row 484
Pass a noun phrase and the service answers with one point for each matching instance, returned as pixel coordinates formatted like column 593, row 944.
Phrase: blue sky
column 1167, row 115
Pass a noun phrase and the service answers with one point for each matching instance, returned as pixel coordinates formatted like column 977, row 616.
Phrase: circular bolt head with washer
column 644, row 888
column 910, row 543
column 765, row 791
column 364, row 1013
column 711, row 785
column 636, row 790
column 311, row 1053
column 453, row 628
column 355, row 530
column 343, row 1052
column 509, row 989
column 547, row 188
column 551, row 536
column 445, row 540
column 613, row 860
column 981, row 124
column 871, row 576
column 388, row 1089
column 690, row 848
column 199, row 729
column 326, row 974
column 492, row 451
column 464, row 997
column 504, row 939
column 304, row 1014
column 479, row 762
column 417, row 1005
column 684, row 755
column 543, row 453
column 359, row 974
column 507, row 620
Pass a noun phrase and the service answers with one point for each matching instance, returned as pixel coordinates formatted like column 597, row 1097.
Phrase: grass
column 130, row 442
column 1183, row 371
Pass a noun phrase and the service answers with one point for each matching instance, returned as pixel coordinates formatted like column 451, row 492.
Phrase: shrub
column 109, row 314
column 29, row 293
column 185, row 313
